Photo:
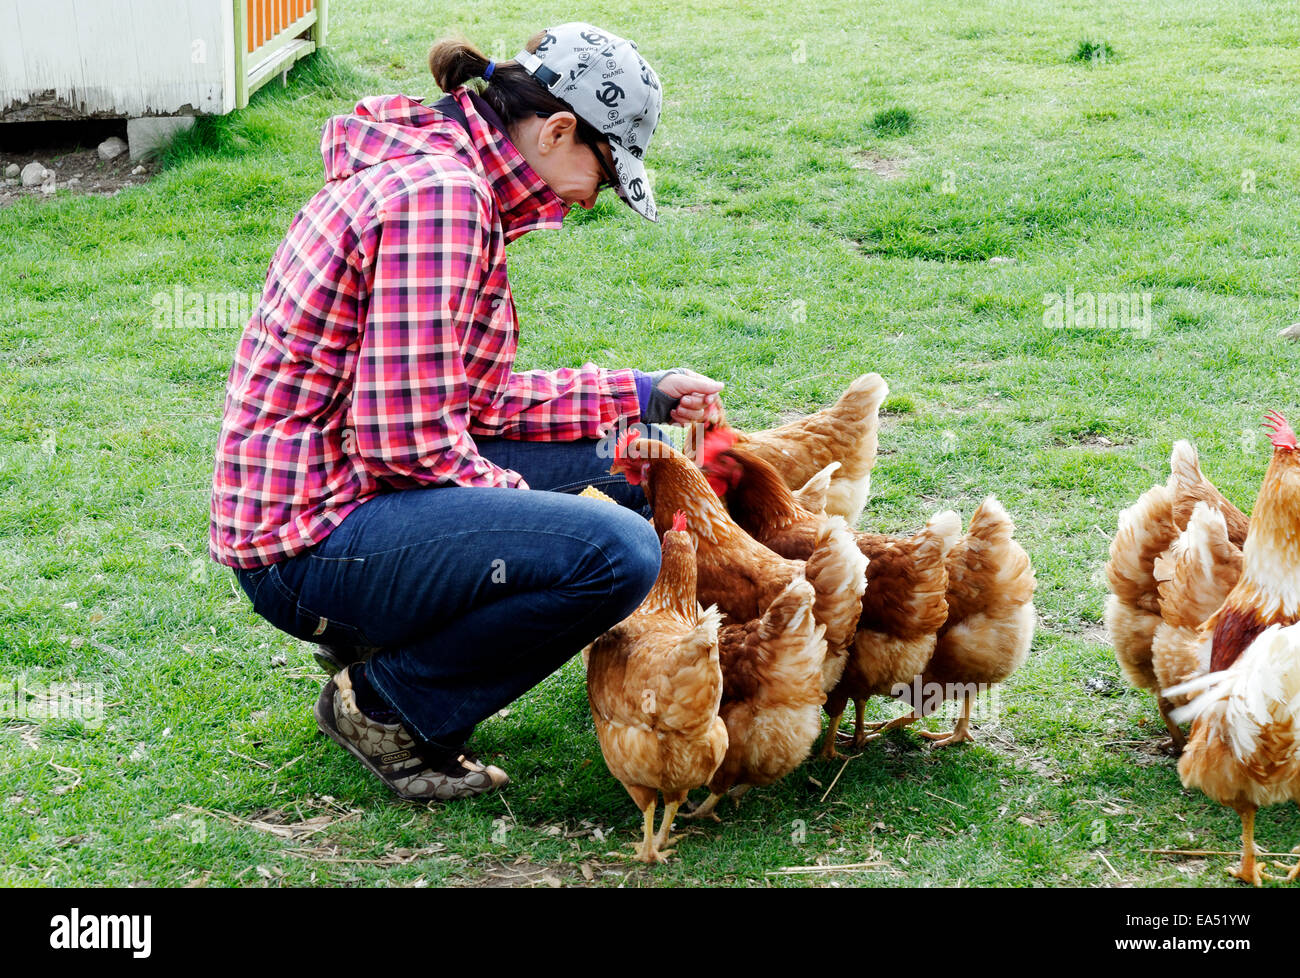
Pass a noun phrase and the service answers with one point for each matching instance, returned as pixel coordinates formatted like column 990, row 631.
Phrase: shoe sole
column 325, row 723
column 329, row 663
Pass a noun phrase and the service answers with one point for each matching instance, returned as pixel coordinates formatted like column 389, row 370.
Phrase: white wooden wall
column 115, row 58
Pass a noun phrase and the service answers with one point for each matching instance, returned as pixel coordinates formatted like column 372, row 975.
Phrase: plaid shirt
column 385, row 336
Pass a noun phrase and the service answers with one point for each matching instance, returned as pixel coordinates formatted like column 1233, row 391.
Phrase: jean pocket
column 330, row 585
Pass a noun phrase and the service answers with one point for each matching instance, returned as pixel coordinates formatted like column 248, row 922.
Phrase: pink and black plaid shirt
column 385, row 336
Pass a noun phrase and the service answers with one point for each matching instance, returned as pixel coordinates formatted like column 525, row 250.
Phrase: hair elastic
column 491, row 67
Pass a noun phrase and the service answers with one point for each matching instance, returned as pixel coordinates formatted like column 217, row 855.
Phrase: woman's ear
column 556, row 129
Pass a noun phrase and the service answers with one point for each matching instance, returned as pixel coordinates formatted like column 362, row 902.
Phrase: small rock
column 1102, row 686
column 74, row 181
column 11, row 181
column 12, row 170
column 33, row 174
column 137, row 171
column 1292, row 332
column 112, row 147
column 1001, row 260
column 49, row 186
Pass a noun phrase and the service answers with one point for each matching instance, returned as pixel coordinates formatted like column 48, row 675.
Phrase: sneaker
column 395, row 757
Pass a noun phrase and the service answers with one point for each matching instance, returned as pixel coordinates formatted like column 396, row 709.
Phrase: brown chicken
column 1147, row 531
column 736, row 572
column 1189, row 487
column 904, row 605
column 655, row 685
column 991, row 618
column 1244, row 748
column 771, row 695
column 1194, row 578
column 846, row 432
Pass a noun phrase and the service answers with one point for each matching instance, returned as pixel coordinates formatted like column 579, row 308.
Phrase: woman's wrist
column 657, row 407
column 644, row 388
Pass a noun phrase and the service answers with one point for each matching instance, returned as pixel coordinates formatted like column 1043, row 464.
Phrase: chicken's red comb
column 624, row 440
column 714, row 443
column 1283, row 436
column 679, row 522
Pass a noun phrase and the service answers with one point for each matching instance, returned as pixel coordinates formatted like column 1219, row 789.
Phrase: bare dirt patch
column 79, row 172
column 881, row 166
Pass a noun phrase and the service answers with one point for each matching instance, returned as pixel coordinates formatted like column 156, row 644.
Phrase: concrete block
column 148, row 135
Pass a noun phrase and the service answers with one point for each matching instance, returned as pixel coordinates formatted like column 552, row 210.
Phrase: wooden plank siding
column 68, row 59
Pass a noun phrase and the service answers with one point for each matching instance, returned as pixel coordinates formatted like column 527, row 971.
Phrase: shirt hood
column 389, row 127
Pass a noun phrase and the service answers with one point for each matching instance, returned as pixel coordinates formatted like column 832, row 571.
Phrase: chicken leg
column 1248, row 871
column 828, row 751
column 662, row 840
column 1177, row 739
column 647, row 851
column 883, row 727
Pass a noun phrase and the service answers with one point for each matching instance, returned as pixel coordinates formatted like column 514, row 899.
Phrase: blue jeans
column 472, row 595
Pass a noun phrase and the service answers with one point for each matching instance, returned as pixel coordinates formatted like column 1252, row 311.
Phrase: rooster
column 1244, row 748
column 846, row 432
column 655, row 685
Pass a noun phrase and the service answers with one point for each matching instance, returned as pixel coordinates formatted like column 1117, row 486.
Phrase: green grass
column 1093, row 52
column 781, row 266
column 893, row 122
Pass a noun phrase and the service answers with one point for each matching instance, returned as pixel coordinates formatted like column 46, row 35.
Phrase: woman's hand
column 696, row 395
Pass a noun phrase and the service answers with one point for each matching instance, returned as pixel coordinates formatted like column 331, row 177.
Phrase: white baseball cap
column 611, row 88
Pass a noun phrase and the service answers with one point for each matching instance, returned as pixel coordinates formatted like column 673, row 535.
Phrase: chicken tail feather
column 837, row 570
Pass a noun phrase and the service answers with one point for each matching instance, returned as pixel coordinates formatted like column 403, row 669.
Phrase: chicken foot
column 881, row 728
column 945, row 738
column 647, row 851
column 959, row 734
column 1249, row 871
column 706, row 808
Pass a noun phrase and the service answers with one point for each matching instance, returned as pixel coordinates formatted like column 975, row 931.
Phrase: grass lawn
column 833, row 181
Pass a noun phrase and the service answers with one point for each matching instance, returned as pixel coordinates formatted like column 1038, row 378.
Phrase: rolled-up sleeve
column 561, row 405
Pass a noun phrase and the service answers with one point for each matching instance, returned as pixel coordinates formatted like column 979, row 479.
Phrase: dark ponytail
column 454, row 62
column 512, row 92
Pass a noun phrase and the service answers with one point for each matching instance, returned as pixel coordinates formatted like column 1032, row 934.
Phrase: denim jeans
column 472, row 595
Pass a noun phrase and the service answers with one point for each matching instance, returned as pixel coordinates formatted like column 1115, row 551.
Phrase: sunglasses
column 610, row 178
